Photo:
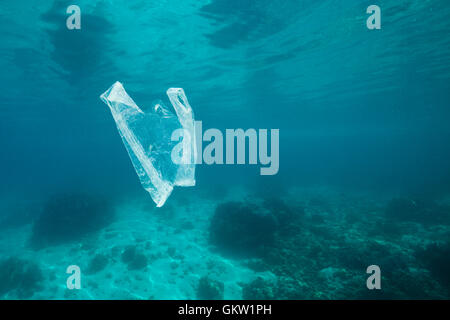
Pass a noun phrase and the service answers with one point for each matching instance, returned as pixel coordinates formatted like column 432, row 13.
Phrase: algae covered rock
column 259, row 289
column 436, row 258
column 70, row 217
column 19, row 278
column 134, row 259
column 98, row 263
column 210, row 289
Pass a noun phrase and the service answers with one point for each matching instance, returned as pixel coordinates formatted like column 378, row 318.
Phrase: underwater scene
column 224, row 149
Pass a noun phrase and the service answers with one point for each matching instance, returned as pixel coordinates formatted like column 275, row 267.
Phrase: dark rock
column 68, row 218
column 436, row 258
column 209, row 289
column 98, row 263
column 259, row 289
column 134, row 259
column 289, row 289
column 282, row 288
column 21, row 278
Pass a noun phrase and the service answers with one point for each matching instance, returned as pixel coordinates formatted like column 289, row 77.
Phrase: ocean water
column 364, row 159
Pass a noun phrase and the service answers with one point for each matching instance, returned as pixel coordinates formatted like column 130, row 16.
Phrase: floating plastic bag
column 161, row 145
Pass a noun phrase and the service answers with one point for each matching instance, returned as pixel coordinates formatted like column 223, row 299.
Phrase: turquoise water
column 364, row 176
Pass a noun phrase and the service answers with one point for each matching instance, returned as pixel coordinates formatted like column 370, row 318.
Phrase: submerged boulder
column 259, row 289
column 134, row 259
column 210, row 289
column 66, row 218
column 97, row 264
column 436, row 258
column 19, row 279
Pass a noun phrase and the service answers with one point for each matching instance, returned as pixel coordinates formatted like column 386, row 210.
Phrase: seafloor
column 226, row 244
